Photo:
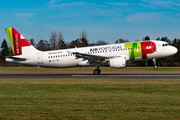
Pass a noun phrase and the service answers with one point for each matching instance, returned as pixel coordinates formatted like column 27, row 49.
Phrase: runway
column 90, row 76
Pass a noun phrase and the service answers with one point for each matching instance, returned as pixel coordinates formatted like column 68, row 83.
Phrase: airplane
column 114, row 55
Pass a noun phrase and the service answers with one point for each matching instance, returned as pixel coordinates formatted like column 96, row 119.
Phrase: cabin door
column 40, row 58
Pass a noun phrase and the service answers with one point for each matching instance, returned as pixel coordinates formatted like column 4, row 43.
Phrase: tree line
column 56, row 41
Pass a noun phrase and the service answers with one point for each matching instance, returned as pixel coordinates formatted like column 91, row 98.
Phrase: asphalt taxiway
column 90, row 76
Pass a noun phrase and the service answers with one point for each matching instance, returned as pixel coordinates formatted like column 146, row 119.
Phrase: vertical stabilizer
column 18, row 43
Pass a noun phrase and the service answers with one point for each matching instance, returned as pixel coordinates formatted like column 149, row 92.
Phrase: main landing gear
column 155, row 64
column 97, row 71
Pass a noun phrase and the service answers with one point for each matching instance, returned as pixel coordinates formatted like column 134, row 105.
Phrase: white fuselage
column 64, row 58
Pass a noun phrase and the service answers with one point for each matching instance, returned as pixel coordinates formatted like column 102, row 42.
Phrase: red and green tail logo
column 17, row 41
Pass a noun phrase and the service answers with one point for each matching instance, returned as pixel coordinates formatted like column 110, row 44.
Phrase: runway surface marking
column 123, row 75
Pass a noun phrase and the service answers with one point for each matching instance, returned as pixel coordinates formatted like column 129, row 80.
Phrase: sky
column 108, row 20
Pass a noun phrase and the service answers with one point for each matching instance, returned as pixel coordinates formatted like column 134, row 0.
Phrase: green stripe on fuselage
column 134, row 50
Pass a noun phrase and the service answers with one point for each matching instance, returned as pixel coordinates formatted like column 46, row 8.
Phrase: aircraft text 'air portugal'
column 115, row 55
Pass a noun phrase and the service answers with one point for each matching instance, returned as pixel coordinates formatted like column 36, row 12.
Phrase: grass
column 89, row 70
column 89, row 99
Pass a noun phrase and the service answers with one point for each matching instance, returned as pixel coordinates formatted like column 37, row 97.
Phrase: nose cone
column 174, row 50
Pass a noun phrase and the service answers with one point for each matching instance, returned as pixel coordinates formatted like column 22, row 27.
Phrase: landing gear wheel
column 99, row 71
column 155, row 67
column 96, row 71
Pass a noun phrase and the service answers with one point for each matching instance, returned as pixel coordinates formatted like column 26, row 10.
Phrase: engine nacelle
column 119, row 62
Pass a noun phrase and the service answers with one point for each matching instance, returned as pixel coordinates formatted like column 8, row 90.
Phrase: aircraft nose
column 174, row 50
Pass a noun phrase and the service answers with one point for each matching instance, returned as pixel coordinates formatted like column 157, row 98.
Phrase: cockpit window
column 165, row 45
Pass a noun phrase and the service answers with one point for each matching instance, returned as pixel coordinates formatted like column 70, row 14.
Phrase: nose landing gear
column 155, row 64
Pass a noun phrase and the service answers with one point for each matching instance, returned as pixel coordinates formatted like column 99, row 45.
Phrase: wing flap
column 92, row 58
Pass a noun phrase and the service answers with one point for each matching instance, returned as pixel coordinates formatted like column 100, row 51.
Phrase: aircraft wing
column 92, row 58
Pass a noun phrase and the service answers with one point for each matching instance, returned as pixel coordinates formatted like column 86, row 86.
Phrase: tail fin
column 18, row 43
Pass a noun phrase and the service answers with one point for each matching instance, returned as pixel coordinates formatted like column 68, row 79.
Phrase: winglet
column 69, row 53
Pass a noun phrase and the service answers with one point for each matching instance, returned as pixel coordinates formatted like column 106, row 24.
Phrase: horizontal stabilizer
column 16, row 58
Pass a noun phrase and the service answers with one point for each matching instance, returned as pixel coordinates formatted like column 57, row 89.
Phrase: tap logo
column 140, row 49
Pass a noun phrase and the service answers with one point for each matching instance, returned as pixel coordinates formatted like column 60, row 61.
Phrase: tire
column 155, row 67
column 99, row 71
column 96, row 71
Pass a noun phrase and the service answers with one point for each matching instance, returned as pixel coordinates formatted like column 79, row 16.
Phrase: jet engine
column 119, row 62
